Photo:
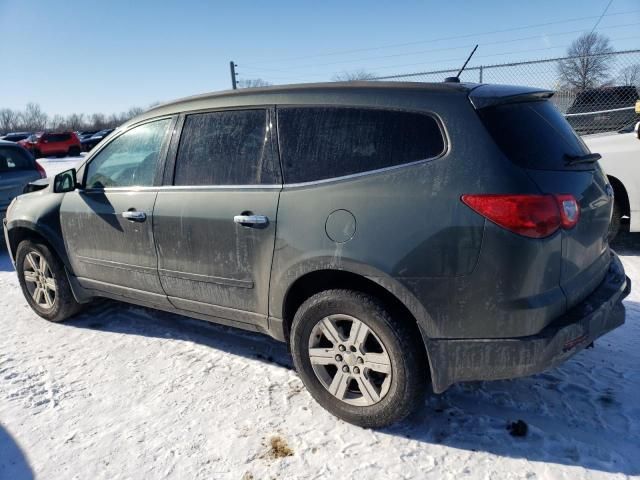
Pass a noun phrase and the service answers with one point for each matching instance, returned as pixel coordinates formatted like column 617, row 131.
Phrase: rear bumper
column 457, row 360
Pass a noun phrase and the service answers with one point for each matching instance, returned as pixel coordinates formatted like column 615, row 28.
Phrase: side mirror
column 65, row 181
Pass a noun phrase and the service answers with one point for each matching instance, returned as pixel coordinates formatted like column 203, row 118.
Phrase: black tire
column 401, row 339
column 64, row 304
column 616, row 221
column 74, row 151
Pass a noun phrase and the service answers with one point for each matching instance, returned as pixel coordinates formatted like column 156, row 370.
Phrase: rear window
column 534, row 135
column 13, row 159
column 317, row 143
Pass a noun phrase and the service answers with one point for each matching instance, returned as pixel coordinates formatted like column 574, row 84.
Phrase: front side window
column 317, row 143
column 226, row 148
column 13, row 159
column 130, row 160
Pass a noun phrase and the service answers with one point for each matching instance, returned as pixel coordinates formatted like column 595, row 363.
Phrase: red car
column 46, row 144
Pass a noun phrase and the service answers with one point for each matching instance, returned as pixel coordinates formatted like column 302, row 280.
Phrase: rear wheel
column 74, row 151
column 356, row 360
column 616, row 220
column 44, row 282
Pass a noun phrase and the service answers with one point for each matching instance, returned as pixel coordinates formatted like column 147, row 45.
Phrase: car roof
column 289, row 93
column 347, row 92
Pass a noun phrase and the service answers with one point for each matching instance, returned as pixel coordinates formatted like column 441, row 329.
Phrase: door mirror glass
column 65, row 181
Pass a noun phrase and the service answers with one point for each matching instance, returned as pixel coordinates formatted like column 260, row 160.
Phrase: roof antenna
column 456, row 79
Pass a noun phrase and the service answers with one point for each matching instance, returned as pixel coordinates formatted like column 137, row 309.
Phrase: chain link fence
column 597, row 93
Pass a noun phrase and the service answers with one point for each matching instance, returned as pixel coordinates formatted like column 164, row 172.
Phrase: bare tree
column 253, row 83
column 630, row 75
column 351, row 76
column 9, row 120
column 57, row 123
column 589, row 62
column 34, row 118
column 98, row 121
column 75, row 121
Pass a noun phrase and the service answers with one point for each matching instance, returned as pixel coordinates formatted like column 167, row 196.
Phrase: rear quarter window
column 318, row 143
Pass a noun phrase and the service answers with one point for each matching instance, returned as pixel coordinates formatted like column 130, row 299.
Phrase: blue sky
column 83, row 56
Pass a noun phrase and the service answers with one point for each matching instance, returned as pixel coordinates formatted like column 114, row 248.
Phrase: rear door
column 535, row 136
column 215, row 224
column 107, row 224
column 16, row 170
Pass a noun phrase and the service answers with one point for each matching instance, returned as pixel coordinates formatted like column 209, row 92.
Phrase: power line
column 512, row 52
column 432, row 50
column 603, row 13
column 470, row 35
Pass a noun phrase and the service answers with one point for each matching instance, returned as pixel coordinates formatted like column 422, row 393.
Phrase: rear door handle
column 255, row 221
column 134, row 216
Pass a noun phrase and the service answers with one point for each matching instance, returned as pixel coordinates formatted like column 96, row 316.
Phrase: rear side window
column 14, row 159
column 57, row 137
column 226, row 148
column 317, row 143
column 534, row 135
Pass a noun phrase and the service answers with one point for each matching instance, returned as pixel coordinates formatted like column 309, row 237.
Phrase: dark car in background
column 603, row 109
column 45, row 144
column 17, row 169
column 85, row 134
column 91, row 141
column 394, row 234
column 16, row 136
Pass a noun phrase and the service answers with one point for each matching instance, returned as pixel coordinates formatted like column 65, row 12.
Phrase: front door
column 215, row 226
column 107, row 223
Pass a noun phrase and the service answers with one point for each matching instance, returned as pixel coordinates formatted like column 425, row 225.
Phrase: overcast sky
column 83, row 56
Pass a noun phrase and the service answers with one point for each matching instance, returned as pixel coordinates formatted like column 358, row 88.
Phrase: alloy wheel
column 39, row 280
column 350, row 360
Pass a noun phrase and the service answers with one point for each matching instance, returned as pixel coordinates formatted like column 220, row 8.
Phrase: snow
column 127, row 392
column 53, row 165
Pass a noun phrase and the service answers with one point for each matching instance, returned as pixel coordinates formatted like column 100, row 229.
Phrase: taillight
column 41, row 170
column 534, row 216
column 569, row 210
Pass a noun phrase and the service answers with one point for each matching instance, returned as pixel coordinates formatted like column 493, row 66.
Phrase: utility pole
column 232, row 67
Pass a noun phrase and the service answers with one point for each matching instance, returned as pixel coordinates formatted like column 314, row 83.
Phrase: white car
column 621, row 162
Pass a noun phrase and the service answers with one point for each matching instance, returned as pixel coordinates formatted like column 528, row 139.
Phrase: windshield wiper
column 578, row 159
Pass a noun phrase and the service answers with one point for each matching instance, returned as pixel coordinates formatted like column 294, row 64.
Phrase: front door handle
column 134, row 216
column 255, row 221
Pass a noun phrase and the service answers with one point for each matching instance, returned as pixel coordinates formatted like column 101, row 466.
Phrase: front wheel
column 44, row 282
column 360, row 363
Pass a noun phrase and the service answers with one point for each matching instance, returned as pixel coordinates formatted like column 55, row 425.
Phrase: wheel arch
column 620, row 193
column 320, row 280
column 22, row 230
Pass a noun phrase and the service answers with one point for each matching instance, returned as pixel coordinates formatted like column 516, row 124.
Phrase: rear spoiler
column 484, row 96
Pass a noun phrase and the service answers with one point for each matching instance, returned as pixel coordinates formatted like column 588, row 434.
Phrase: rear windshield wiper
column 578, row 159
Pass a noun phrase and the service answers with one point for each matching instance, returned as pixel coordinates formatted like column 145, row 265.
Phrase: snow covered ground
column 127, row 392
